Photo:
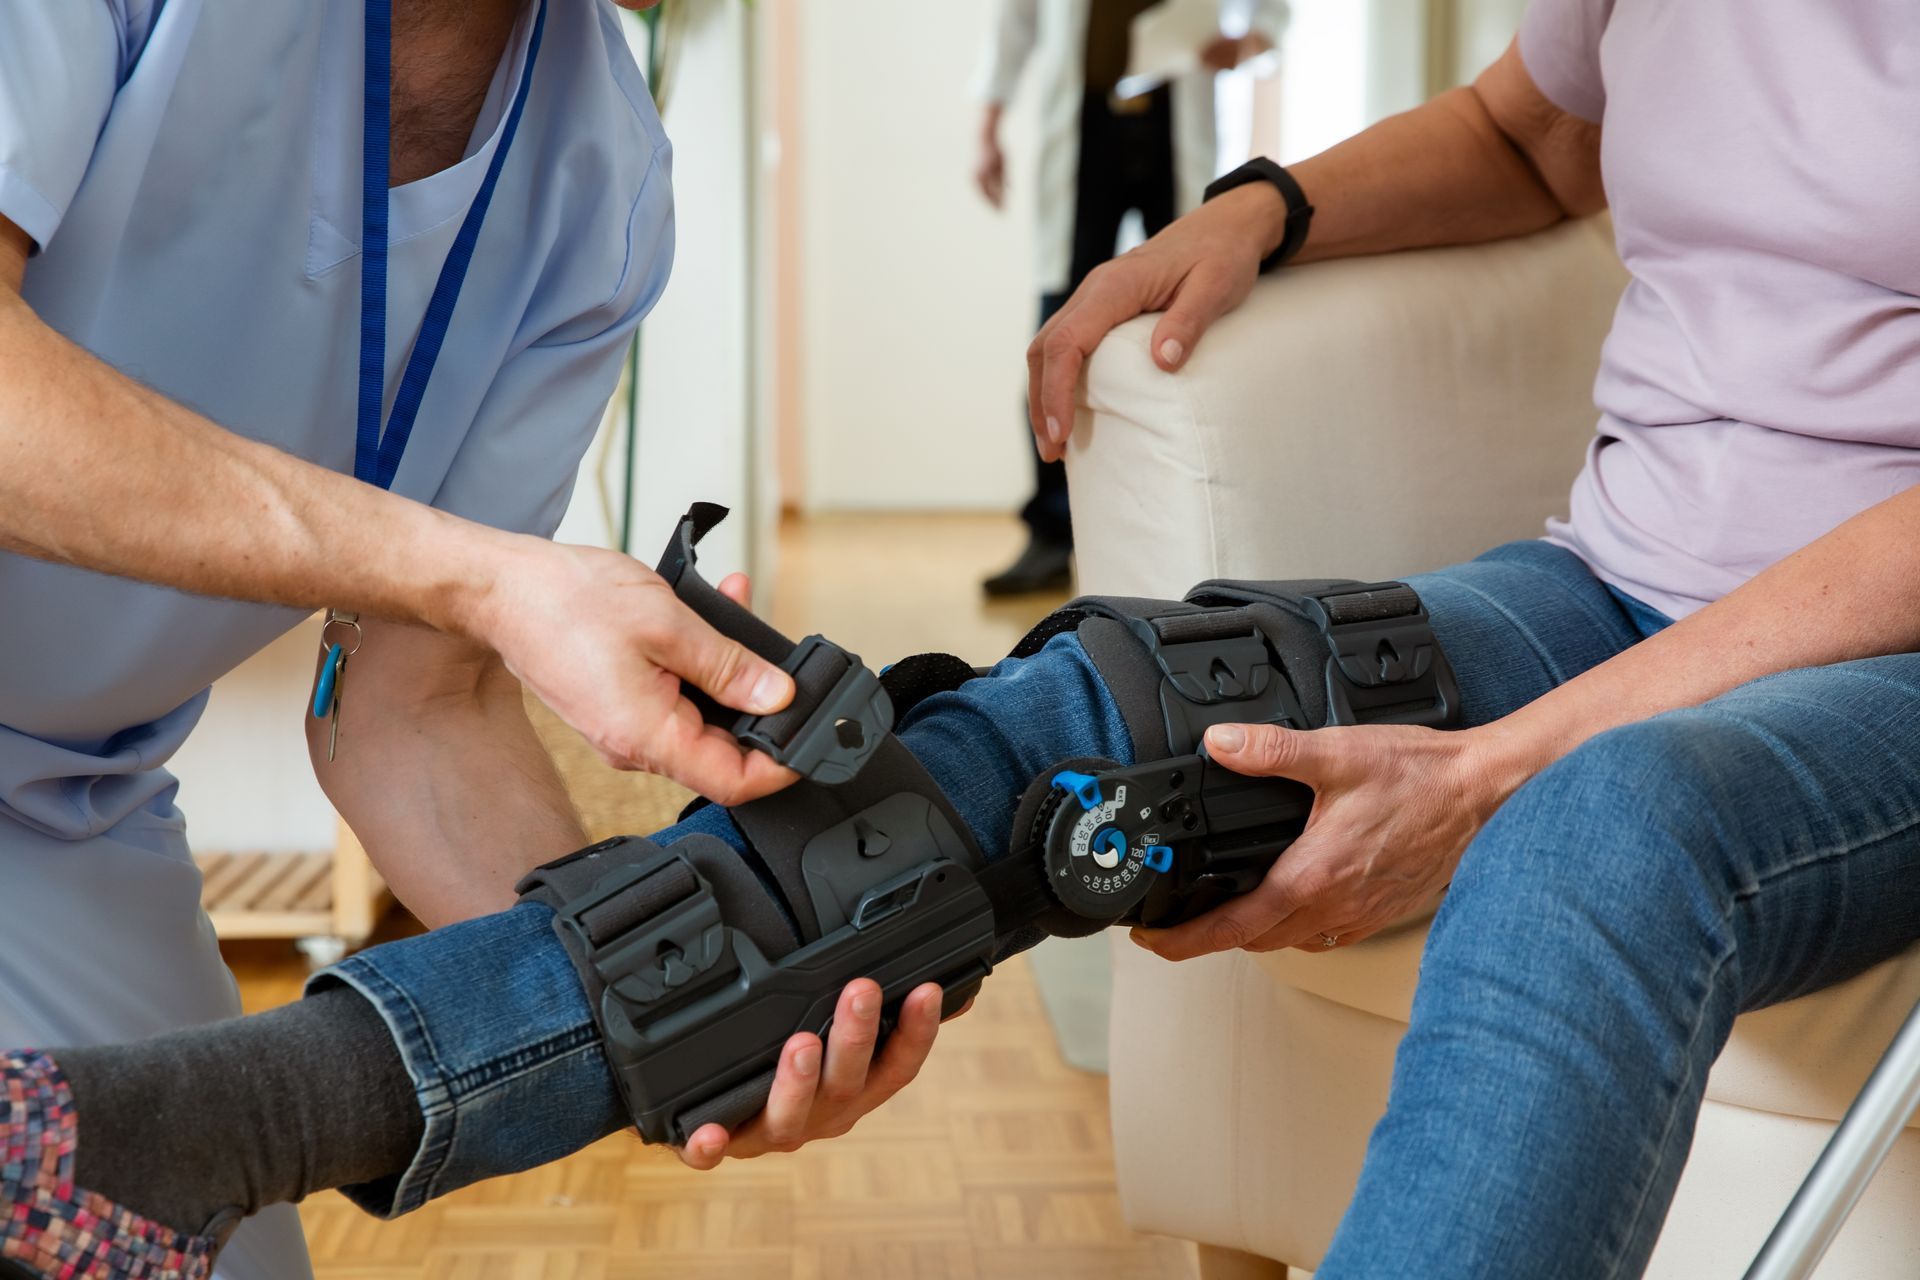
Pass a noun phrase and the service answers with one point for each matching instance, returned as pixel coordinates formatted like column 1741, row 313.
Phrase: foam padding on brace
column 1133, row 680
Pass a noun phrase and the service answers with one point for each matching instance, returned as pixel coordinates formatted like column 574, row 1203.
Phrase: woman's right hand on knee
column 1195, row 271
column 1394, row 808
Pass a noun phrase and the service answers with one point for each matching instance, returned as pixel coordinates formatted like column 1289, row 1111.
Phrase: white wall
column 245, row 784
column 697, row 397
column 1324, row 77
column 1482, row 30
column 918, row 300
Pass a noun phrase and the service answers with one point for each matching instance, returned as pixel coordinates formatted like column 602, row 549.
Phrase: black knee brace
column 700, row 963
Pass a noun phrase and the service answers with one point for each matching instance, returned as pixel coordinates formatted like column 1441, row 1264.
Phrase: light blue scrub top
column 190, row 170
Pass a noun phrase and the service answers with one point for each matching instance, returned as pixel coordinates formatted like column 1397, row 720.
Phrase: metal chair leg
column 1852, row 1156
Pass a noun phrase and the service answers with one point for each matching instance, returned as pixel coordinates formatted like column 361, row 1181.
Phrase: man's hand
column 1224, row 53
column 602, row 640
column 812, row 1098
column 1196, row 270
column 990, row 174
column 1394, row 807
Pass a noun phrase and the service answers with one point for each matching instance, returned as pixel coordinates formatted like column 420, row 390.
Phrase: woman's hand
column 1196, row 270
column 821, row 1094
column 1394, row 807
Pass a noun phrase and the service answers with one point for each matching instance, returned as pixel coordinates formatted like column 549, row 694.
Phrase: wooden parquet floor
column 996, row 1164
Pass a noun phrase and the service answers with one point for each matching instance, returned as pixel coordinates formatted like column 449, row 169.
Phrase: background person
column 1101, row 157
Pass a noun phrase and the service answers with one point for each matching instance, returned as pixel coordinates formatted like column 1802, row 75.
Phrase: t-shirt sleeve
column 60, row 66
column 516, row 467
column 1560, row 45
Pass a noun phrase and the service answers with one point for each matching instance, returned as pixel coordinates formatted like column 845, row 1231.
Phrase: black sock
column 245, row 1113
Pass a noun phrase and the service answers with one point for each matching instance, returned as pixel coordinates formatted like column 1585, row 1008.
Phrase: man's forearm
column 101, row 472
column 454, row 798
column 1853, row 593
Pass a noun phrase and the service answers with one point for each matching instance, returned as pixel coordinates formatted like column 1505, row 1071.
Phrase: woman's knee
column 1641, row 821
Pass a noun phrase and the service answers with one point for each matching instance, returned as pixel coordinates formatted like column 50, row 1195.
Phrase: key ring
column 337, row 619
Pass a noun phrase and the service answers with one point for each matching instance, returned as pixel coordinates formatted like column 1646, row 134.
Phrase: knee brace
column 699, row 963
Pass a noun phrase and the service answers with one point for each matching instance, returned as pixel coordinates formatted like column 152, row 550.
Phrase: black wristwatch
column 1299, row 212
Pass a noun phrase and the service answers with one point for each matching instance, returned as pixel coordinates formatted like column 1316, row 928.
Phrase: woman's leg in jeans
column 1600, row 937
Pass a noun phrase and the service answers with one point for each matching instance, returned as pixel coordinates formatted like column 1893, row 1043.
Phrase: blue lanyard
column 376, row 454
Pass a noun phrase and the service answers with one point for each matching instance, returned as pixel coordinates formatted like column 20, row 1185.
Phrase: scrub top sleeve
column 1269, row 19
column 1010, row 42
column 516, row 467
column 1560, row 45
column 60, row 63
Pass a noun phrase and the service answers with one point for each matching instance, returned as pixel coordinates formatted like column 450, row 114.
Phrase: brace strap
column 1382, row 664
column 1304, row 653
column 646, row 929
column 839, row 713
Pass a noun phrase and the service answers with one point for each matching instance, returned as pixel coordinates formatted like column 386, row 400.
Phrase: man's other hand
column 990, row 173
column 1224, row 53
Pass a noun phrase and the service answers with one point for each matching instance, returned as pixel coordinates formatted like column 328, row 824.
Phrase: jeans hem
column 389, row 1198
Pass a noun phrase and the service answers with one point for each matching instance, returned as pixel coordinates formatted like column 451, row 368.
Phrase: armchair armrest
column 1367, row 418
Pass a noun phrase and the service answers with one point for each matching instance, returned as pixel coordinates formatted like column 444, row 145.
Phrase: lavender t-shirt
column 1762, row 380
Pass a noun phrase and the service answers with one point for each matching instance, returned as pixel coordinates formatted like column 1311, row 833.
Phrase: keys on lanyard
column 331, row 684
column 377, row 453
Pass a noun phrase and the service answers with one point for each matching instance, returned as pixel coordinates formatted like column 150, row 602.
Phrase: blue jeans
column 1608, row 924
column 1598, row 940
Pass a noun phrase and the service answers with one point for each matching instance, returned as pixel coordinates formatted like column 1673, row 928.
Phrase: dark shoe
column 1045, row 565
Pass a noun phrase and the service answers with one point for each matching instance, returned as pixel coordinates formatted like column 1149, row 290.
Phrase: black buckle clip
column 831, row 738
column 1384, row 665
column 667, row 953
column 1215, row 656
column 1216, row 668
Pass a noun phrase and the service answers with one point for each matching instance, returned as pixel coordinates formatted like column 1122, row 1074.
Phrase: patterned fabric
column 54, row 1228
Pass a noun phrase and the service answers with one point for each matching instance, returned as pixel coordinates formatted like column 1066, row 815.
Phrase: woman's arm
column 1491, row 160
column 1395, row 807
column 1852, row 593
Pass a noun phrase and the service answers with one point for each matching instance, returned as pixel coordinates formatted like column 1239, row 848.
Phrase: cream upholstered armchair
column 1369, row 419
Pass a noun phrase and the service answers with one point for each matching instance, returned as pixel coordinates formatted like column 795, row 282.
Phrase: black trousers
column 1126, row 164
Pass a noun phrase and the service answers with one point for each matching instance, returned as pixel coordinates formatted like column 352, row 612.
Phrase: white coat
column 1051, row 34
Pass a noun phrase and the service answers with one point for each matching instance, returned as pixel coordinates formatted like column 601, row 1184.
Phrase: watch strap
column 1299, row 212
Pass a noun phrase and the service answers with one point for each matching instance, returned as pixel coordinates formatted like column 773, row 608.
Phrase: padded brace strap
column 733, row 1108
column 1379, row 662
column 606, row 906
column 1307, row 653
column 839, row 712
column 912, row 680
